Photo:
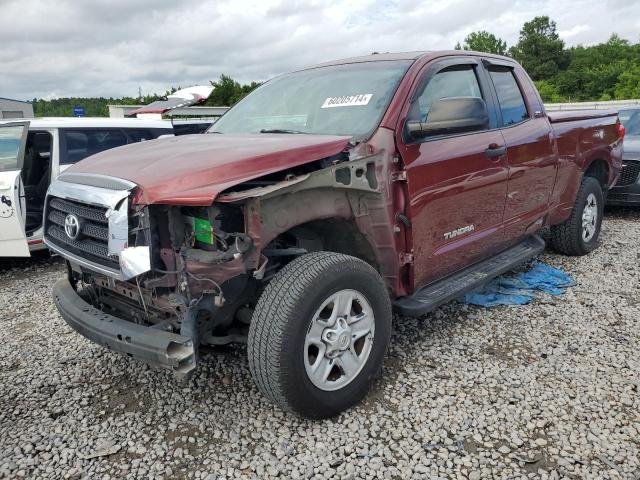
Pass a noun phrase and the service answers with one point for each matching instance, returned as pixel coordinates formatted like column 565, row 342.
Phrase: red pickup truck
column 318, row 204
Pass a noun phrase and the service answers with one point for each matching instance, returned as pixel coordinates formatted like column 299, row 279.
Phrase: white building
column 15, row 109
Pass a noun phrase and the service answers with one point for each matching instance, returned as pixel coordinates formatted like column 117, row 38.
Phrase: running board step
column 471, row 278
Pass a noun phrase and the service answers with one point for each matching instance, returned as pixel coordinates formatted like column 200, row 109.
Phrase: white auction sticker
column 347, row 100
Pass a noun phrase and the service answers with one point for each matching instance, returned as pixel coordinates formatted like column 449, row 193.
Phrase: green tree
column 549, row 91
column 540, row 49
column 483, row 41
column 93, row 106
column 628, row 84
column 247, row 89
column 227, row 91
column 224, row 91
column 593, row 72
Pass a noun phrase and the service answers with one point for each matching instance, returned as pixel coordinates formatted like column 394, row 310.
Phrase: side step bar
column 471, row 278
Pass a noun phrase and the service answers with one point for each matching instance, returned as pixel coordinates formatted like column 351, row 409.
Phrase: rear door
column 13, row 241
column 530, row 151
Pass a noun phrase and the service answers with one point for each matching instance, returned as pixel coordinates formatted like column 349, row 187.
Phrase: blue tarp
column 521, row 288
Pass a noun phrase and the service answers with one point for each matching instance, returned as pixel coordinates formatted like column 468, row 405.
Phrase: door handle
column 494, row 150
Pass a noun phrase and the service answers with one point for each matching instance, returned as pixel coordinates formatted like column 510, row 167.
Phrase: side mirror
column 452, row 115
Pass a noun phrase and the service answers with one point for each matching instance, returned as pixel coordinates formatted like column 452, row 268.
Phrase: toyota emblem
column 72, row 226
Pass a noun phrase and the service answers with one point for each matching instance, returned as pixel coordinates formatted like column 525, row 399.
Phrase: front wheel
column 578, row 235
column 319, row 334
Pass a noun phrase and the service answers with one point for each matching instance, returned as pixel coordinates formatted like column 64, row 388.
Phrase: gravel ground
column 548, row 390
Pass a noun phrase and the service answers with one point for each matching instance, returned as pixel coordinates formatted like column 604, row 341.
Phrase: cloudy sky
column 112, row 47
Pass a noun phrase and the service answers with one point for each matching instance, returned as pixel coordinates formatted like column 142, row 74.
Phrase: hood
column 631, row 146
column 194, row 169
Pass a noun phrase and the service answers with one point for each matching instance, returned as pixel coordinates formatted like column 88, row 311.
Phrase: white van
column 34, row 152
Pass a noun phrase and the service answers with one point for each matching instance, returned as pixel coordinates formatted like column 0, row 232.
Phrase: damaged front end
column 151, row 281
column 158, row 281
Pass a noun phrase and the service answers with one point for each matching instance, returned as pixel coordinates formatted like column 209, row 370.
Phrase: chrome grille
column 629, row 174
column 88, row 229
column 95, row 214
column 92, row 243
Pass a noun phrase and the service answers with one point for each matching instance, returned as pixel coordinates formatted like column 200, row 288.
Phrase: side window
column 510, row 97
column 11, row 138
column 456, row 81
column 139, row 135
column 190, row 128
column 78, row 144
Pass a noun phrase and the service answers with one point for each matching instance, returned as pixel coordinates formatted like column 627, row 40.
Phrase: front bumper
column 618, row 198
column 155, row 347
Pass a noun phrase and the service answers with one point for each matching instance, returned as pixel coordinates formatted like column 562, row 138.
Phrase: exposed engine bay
column 209, row 264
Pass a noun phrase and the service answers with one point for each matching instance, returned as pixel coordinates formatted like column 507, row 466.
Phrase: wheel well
column 337, row 235
column 599, row 169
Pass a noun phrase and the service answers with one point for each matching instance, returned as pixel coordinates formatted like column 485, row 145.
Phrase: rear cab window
column 510, row 99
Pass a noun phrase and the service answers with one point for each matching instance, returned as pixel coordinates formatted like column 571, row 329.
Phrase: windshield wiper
column 279, row 130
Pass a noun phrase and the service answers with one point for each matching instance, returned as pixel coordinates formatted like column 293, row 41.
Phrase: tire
column 569, row 237
column 289, row 318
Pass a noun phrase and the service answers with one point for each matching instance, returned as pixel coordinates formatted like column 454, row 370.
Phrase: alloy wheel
column 589, row 218
column 339, row 340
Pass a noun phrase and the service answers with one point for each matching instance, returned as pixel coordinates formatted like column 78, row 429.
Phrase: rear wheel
column 319, row 334
column 578, row 235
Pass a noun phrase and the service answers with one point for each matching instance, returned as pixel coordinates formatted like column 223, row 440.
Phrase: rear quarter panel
column 582, row 141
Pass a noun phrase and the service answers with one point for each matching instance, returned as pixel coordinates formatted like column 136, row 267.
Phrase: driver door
column 13, row 241
column 457, row 183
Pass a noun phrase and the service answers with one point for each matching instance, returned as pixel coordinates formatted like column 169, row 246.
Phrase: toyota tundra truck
column 320, row 203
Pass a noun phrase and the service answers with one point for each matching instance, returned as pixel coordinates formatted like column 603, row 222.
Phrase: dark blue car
column 627, row 190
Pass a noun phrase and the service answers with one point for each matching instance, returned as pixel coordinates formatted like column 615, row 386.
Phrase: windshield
column 631, row 121
column 336, row 100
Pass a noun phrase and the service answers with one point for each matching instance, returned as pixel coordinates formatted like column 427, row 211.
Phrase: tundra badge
column 459, row 231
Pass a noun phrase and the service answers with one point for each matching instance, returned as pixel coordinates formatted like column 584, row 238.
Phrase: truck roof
column 415, row 55
column 91, row 122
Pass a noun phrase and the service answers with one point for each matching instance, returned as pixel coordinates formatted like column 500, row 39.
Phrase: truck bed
column 570, row 116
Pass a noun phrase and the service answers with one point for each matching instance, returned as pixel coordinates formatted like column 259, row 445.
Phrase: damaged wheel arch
column 348, row 195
